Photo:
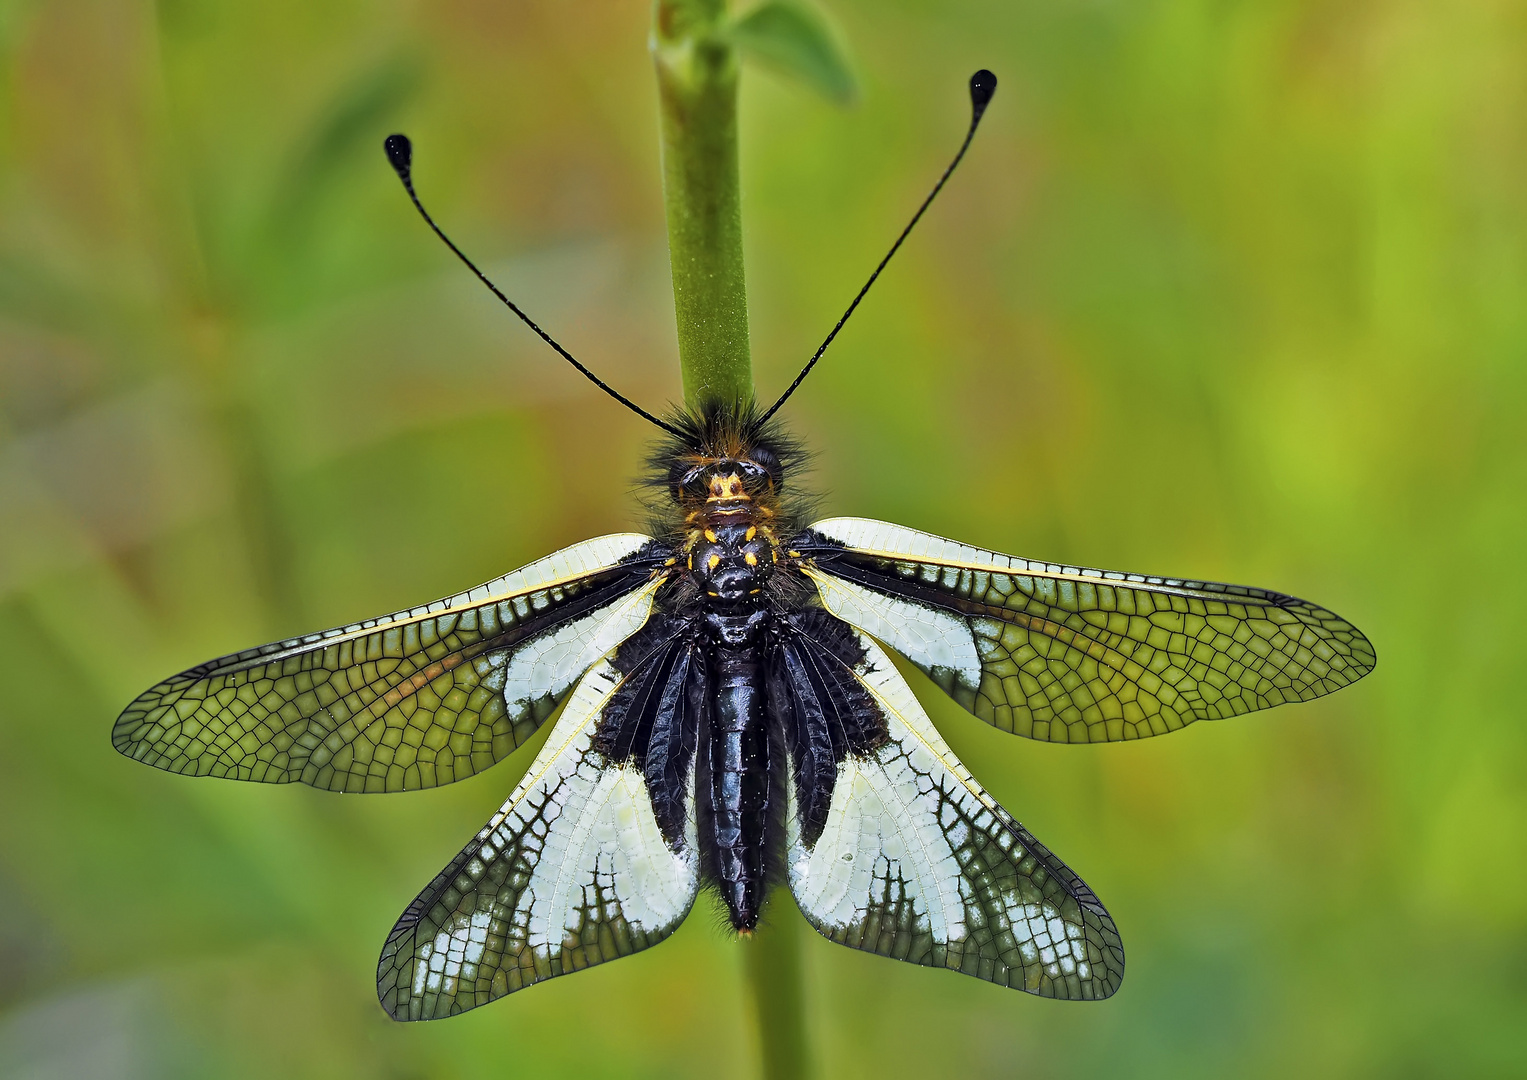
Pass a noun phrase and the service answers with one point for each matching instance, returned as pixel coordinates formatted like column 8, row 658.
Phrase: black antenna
column 400, row 152
column 983, row 84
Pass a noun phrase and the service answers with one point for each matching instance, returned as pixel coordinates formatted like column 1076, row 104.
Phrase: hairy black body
column 737, row 675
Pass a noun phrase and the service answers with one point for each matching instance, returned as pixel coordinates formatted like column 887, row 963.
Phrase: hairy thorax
column 732, row 552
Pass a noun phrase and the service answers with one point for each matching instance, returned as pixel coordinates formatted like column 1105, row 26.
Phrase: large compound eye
column 686, row 478
column 768, row 464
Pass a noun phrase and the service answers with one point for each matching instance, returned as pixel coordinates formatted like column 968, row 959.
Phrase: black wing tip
column 391, row 992
column 983, row 85
column 1107, row 988
column 1368, row 657
column 1113, row 962
column 400, row 154
column 122, row 729
column 1107, row 975
column 124, row 743
column 127, row 736
column 394, row 1005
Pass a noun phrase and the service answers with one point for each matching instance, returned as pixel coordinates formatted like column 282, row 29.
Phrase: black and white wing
column 577, row 868
column 1068, row 654
column 411, row 700
column 912, row 859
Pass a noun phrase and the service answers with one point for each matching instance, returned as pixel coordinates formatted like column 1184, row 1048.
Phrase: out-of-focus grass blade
column 345, row 132
column 795, row 40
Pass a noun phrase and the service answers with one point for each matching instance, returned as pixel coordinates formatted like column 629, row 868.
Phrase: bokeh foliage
column 1231, row 289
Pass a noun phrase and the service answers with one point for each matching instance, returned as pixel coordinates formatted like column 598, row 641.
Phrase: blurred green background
column 1227, row 288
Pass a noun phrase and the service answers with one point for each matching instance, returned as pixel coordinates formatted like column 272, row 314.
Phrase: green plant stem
column 772, row 960
column 697, row 90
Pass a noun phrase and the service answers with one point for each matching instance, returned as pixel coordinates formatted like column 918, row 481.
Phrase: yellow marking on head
column 710, row 534
column 750, row 559
column 726, row 487
column 713, row 562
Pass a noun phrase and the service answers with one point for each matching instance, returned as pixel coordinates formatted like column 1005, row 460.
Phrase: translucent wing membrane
column 412, row 700
column 573, row 871
column 1067, row 654
column 917, row 862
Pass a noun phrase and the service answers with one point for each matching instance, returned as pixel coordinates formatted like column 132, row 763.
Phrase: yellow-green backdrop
column 1227, row 288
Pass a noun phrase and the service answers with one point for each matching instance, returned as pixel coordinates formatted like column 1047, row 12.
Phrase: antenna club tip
column 400, row 153
column 983, row 85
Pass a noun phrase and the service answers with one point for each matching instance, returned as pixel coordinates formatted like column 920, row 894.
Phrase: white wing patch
column 916, row 861
column 893, row 541
column 610, row 844
column 572, row 871
column 935, row 640
column 871, row 840
column 535, row 676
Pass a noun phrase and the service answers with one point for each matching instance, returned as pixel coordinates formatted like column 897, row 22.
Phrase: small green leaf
column 795, row 39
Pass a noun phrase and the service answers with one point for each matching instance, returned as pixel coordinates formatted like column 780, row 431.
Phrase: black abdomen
column 736, row 780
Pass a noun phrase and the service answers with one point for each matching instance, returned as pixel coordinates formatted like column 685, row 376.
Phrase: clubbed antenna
column 983, row 84
column 400, row 152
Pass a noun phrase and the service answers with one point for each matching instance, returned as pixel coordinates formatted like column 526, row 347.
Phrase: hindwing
column 821, row 708
column 655, row 718
column 411, row 700
column 916, row 861
column 1068, row 654
column 574, row 870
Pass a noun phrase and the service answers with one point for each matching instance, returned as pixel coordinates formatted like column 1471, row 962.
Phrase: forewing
column 573, row 871
column 1068, row 654
column 917, row 862
column 411, row 700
